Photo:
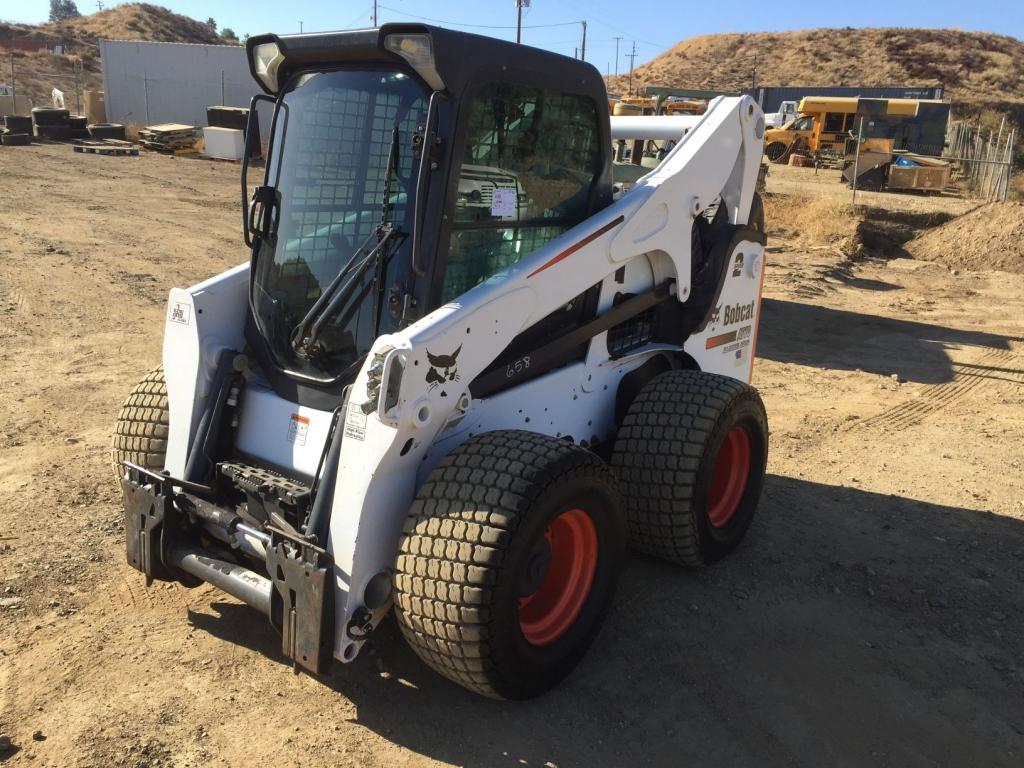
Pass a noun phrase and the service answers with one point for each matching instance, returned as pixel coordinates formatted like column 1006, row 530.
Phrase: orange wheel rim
column 549, row 612
column 729, row 481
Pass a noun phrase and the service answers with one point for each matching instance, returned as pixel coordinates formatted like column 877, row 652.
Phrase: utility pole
column 300, row 27
column 520, row 4
column 375, row 13
column 632, row 58
column 617, row 55
column 583, row 45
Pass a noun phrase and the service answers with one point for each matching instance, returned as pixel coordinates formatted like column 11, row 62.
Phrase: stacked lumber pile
column 168, row 137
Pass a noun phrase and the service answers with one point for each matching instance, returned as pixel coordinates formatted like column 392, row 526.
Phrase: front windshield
column 335, row 134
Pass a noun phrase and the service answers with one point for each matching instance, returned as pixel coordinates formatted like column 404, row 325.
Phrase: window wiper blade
column 306, row 335
column 302, row 329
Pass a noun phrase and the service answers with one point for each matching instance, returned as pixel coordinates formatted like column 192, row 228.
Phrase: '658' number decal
column 517, row 367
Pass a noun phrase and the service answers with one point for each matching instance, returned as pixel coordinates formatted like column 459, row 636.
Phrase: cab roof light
column 267, row 58
column 418, row 50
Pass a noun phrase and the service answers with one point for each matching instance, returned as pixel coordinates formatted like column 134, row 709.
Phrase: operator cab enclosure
column 398, row 178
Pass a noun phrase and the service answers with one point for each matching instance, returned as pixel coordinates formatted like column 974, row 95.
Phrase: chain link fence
column 983, row 157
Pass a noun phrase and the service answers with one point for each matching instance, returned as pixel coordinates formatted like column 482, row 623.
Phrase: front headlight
column 418, row 50
column 267, row 58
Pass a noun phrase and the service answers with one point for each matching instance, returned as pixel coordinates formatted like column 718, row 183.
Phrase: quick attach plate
column 147, row 503
column 302, row 604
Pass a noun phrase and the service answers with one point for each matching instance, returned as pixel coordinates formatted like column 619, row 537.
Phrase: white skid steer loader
column 456, row 377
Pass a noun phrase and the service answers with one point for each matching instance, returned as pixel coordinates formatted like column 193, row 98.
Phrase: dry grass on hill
column 813, row 222
column 136, row 21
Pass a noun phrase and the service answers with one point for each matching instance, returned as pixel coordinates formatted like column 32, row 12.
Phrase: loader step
column 269, row 491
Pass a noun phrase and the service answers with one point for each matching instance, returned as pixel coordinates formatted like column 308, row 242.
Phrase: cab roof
column 458, row 56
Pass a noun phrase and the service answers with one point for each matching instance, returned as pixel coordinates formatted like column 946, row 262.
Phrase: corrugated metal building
column 150, row 83
column 771, row 98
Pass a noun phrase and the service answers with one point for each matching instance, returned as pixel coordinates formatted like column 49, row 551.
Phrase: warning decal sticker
column 298, row 429
column 181, row 313
column 355, row 422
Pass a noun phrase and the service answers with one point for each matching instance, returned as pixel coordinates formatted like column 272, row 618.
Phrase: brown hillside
column 135, row 21
column 38, row 72
column 975, row 67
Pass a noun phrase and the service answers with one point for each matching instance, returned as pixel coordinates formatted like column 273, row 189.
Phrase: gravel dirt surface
column 989, row 237
column 874, row 616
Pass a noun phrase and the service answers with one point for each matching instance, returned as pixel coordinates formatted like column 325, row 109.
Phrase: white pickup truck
column 787, row 111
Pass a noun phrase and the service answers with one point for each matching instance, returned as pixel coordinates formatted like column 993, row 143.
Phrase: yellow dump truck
column 824, row 123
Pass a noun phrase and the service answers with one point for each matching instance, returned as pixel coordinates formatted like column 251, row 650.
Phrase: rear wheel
column 691, row 457
column 140, row 435
column 775, row 150
column 508, row 562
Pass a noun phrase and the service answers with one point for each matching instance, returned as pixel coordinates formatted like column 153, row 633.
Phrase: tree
column 62, row 10
column 211, row 24
column 229, row 34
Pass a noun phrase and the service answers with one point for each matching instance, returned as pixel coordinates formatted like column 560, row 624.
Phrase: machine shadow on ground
column 851, row 627
column 809, row 334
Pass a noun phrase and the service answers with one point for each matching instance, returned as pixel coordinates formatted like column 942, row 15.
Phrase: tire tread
column 455, row 539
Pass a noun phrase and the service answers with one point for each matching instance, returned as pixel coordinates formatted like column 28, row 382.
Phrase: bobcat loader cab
column 455, row 377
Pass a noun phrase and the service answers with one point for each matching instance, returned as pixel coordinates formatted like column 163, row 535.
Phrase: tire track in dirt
column 12, row 304
column 992, row 367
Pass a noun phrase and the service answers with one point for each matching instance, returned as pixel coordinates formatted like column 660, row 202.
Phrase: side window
column 833, row 122
column 531, row 158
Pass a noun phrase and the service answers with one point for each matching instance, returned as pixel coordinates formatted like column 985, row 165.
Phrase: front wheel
column 775, row 150
column 140, row 435
column 508, row 562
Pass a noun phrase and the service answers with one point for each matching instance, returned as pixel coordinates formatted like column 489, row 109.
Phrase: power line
column 478, row 26
column 362, row 15
column 612, row 25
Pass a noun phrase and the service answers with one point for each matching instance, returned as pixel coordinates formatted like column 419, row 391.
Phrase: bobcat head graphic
column 715, row 315
column 443, row 368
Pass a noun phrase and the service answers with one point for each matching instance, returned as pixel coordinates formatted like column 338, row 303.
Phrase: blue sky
column 654, row 24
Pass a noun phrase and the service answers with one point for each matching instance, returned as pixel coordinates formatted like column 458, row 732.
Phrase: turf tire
column 466, row 545
column 665, row 456
column 140, row 435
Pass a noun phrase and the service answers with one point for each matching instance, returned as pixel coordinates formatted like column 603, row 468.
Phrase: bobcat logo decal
column 715, row 315
column 443, row 368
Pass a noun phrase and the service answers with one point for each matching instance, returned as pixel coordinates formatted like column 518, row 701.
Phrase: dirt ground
column 874, row 615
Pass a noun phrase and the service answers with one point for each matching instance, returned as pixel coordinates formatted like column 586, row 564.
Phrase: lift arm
column 394, row 413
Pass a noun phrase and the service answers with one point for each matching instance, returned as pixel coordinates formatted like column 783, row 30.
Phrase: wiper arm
column 302, row 329
column 306, row 334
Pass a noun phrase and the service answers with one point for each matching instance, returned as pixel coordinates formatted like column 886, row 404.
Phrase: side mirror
column 253, row 149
